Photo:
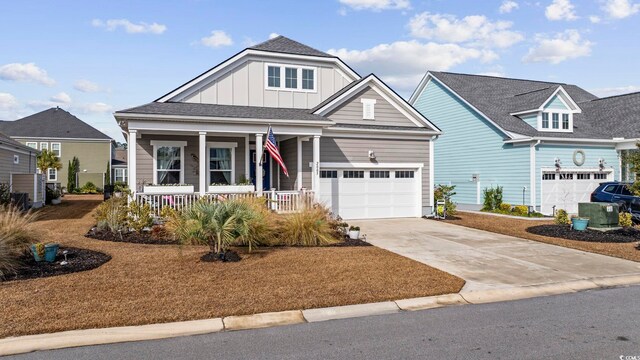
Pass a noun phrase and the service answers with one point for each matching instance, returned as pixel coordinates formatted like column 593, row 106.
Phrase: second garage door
column 566, row 189
column 372, row 193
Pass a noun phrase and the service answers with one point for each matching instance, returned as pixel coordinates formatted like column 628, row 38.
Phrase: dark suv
column 617, row 192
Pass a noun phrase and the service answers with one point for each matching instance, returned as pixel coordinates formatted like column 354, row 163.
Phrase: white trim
column 202, row 163
column 44, row 145
column 16, row 159
column 59, row 138
column 565, row 140
column 259, row 151
column 532, row 174
column 60, row 148
column 560, row 112
column 387, row 94
column 132, row 160
column 212, row 74
column 429, row 76
column 213, row 119
column 366, row 103
column 299, row 163
column 55, row 178
column 160, row 143
column 572, row 106
column 221, row 145
column 19, row 149
column 432, row 184
column 33, row 143
column 283, row 77
column 247, row 158
column 335, row 165
column 571, row 170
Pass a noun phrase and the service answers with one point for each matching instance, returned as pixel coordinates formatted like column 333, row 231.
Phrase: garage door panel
column 566, row 190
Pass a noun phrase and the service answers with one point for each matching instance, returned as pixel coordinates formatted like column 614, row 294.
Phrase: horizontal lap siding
column 144, row 157
column 7, row 166
column 384, row 113
column 351, row 150
column 546, row 155
column 471, row 145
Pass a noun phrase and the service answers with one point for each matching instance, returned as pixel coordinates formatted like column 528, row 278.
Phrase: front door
column 266, row 170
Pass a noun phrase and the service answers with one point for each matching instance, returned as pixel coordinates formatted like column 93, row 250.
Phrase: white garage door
column 566, row 189
column 371, row 193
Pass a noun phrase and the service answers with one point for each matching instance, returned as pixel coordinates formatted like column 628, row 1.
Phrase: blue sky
column 93, row 58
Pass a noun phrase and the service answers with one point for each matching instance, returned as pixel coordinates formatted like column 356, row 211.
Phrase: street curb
column 75, row 338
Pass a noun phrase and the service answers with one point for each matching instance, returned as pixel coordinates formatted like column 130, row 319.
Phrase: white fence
column 279, row 201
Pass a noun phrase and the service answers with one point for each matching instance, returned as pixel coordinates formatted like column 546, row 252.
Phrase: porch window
column 220, row 166
column 120, row 175
column 168, row 165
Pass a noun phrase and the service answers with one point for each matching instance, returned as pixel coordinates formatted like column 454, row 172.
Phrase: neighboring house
column 547, row 144
column 350, row 140
column 67, row 136
column 18, row 169
column 119, row 165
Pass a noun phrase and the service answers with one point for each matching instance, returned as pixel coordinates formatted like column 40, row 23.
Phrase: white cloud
column 129, row 27
column 217, row 38
column 273, row 35
column 595, row 19
column 61, row 98
column 97, row 107
column 474, row 29
column 8, row 102
column 620, row 9
column 403, row 63
column 561, row 10
column 611, row 91
column 86, row 86
column 25, row 72
column 562, row 46
column 508, row 6
column 377, row 5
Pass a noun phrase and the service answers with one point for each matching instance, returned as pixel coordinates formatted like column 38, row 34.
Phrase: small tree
column 634, row 160
column 107, row 175
column 446, row 192
column 48, row 160
column 72, row 171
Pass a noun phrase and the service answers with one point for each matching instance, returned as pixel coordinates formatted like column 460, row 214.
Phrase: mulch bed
column 351, row 242
column 78, row 260
column 157, row 236
column 227, row 256
column 624, row 235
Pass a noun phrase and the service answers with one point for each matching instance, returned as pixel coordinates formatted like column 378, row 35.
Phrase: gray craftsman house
column 348, row 141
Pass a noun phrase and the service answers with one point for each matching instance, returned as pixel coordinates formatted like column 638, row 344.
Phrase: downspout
column 533, row 175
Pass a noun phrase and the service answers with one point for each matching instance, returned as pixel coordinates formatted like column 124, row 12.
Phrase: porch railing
column 279, row 201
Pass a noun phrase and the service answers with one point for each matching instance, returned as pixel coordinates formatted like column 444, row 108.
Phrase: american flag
column 271, row 147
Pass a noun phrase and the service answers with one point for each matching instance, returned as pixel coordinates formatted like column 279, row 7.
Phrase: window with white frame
column 44, row 146
column 404, row 174
column 296, row 78
column 33, row 145
column 168, row 162
column 221, row 163
column 328, row 174
column 56, row 148
column 368, row 109
column 52, row 175
column 16, row 159
column 120, row 175
column 559, row 120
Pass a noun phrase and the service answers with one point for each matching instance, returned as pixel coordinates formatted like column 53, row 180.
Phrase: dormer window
column 556, row 121
column 296, row 78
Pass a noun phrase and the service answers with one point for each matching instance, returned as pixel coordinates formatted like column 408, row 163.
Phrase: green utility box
column 601, row 215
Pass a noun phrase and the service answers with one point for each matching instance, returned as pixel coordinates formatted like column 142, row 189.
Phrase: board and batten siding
column 144, row 157
column 546, row 155
column 384, row 112
column 352, row 150
column 245, row 85
column 471, row 145
column 26, row 165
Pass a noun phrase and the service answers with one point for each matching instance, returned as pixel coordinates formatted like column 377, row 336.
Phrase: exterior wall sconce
column 558, row 164
column 372, row 155
column 601, row 164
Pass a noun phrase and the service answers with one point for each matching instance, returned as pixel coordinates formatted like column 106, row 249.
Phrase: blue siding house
column 547, row 144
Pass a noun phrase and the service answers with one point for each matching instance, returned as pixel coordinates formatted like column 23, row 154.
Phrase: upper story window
column 296, row 78
column 556, row 120
column 368, row 109
column 44, row 146
column 56, row 149
column 32, row 145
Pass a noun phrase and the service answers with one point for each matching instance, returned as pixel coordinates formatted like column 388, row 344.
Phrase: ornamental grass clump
column 311, row 226
column 16, row 235
column 112, row 215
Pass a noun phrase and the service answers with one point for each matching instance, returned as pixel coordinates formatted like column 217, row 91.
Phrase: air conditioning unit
column 20, row 200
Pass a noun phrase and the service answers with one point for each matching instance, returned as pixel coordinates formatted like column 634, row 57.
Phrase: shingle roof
column 283, row 44
column 4, row 139
column 51, row 123
column 498, row 97
column 224, row 111
column 380, row 127
column 338, row 93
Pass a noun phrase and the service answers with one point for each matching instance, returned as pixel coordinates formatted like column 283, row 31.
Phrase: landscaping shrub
column 261, row 222
column 492, row 198
column 5, row 194
column 562, row 218
column 16, row 234
column 625, row 219
column 505, row 207
column 446, row 192
column 139, row 216
column 521, row 210
column 111, row 215
column 89, row 188
column 308, row 227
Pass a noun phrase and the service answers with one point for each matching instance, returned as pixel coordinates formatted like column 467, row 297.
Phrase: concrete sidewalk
column 487, row 260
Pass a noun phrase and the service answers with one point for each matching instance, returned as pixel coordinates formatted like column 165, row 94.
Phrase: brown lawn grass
column 518, row 228
column 145, row 284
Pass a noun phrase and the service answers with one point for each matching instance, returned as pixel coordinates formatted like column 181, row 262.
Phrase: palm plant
column 48, row 160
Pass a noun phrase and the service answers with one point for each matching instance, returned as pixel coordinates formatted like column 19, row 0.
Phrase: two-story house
column 18, row 170
column 67, row 136
column 547, row 144
column 349, row 140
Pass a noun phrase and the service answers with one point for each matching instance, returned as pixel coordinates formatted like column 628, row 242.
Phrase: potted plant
column 579, row 224
column 345, row 227
column 45, row 252
column 56, row 197
column 354, row 232
column 119, row 188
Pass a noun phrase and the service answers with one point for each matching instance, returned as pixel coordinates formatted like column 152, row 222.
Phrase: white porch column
column 299, row 164
column 315, row 175
column 259, row 150
column 202, row 159
column 131, row 161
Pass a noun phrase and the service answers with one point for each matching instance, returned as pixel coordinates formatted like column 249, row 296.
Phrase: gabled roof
column 6, row 140
column 617, row 116
column 51, row 123
column 497, row 98
column 223, row 111
column 281, row 44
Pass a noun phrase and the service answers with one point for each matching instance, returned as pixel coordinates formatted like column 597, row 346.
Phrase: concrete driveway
column 487, row 260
